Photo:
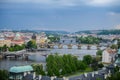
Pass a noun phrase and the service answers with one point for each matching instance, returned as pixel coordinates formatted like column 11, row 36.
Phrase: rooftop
column 118, row 51
column 20, row 69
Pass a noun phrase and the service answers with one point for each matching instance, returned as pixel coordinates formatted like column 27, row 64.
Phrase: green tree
column 99, row 52
column 38, row 68
column 4, row 48
column 114, row 46
column 60, row 65
column 32, row 44
column 4, row 75
column 81, row 65
column 87, row 59
column 118, row 43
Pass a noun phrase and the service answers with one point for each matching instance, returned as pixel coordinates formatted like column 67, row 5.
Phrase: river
column 37, row 58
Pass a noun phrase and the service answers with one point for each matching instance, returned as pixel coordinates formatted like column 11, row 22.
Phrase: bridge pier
column 79, row 46
column 69, row 46
column 88, row 47
column 60, row 46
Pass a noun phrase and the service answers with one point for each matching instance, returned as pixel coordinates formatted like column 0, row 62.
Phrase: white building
column 108, row 55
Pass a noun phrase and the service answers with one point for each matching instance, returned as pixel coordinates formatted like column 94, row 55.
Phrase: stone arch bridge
column 78, row 46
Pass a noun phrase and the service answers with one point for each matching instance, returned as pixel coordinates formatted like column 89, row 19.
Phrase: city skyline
column 67, row 15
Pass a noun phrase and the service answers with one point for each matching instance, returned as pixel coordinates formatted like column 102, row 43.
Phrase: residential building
column 18, row 72
column 108, row 55
column 18, row 39
column 4, row 42
column 41, row 39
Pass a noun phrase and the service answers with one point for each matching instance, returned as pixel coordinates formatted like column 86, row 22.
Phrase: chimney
column 93, row 74
column 105, row 76
column 25, row 73
column 34, row 75
column 85, row 74
column 64, row 78
column 52, row 78
column 28, row 72
column 40, row 77
column 109, row 71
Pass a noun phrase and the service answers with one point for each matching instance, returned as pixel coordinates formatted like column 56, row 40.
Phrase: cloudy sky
column 68, row 15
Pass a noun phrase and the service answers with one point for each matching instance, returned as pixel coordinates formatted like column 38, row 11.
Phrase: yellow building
column 5, row 42
column 41, row 39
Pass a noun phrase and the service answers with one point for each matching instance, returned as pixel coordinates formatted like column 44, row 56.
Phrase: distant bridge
column 18, row 54
column 78, row 46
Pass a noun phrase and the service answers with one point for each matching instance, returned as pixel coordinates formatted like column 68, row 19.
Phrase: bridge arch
column 55, row 47
column 74, row 47
column 65, row 46
column 93, row 47
column 84, row 46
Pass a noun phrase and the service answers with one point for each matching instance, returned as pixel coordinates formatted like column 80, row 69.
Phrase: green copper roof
column 118, row 60
column 118, row 51
column 19, row 69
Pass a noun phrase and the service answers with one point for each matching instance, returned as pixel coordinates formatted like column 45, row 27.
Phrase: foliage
column 16, row 48
column 114, row 46
column 88, row 40
column 31, row 44
column 38, row 68
column 87, row 59
column 100, row 65
column 4, row 48
column 115, row 75
column 99, row 52
column 61, row 65
column 118, row 43
column 95, row 64
column 12, row 48
column 3, row 75
column 54, row 38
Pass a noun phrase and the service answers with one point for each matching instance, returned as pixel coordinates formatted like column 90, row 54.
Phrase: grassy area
column 78, row 73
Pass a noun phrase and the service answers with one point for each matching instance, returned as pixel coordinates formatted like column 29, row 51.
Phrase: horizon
column 65, row 15
column 54, row 30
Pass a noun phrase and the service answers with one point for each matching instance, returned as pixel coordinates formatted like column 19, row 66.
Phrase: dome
column 17, row 36
column 19, row 69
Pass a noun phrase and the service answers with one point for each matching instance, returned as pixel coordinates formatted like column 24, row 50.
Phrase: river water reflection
column 36, row 57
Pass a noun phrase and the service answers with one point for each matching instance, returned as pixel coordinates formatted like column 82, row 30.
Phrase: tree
column 3, row 75
column 38, row 68
column 31, row 44
column 16, row 47
column 81, row 65
column 89, row 40
column 61, row 65
column 4, row 48
column 87, row 59
column 99, row 52
column 100, row 65
column 118, row 43
column 114, row 46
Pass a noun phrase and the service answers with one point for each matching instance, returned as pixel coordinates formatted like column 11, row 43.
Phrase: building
column 34, row 36
column 118, row 57
column 17, row 39
column 41, row 39
column 4, row 41
column 108, row 55
column 18, row 72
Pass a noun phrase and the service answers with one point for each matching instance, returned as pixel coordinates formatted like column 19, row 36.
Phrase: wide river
column 36, row 57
